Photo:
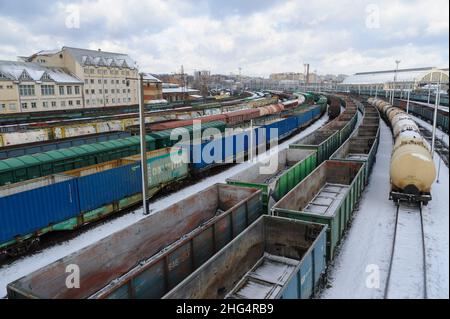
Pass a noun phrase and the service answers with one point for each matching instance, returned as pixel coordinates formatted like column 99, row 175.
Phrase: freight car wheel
column 22, row 248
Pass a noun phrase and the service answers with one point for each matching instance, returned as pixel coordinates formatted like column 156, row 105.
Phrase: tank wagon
column 427, row 113
column 412, row 169
column 151, row 256
column 275, row 258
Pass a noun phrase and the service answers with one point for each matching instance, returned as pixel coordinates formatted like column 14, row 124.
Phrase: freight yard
column 117, row 183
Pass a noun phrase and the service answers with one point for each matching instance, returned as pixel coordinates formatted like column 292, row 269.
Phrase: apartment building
column 31, row 87
column 110, row 79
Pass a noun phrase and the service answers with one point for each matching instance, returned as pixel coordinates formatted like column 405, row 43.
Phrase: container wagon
column 275, row 258
column 151, row 256
column 44, row 146
column 278, row 174
column 327, row 196
column 67, row 201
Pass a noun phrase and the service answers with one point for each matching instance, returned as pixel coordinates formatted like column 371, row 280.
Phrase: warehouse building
column 398, row 80
column 110, row 79
column 31, row 87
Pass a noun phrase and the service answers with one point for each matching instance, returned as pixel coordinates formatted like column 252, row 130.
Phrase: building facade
column 31, row 87
column 152, row 89
column 110, row 79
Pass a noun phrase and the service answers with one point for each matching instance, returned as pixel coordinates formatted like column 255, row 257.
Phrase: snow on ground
column 439, row 134
column 406, row 280
column 436, row 225
column 27, row 264
column 366, row 248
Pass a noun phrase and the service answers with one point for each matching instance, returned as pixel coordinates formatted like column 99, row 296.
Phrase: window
column 1, row 88
column 100, row 91
column 45, row 104
column 129, row 90
column 12, row 106
column 92, row 81
column 86, row 81
column 47, row 89
column 99, row 81
column 123, row 81
column 86, row 91
column 106, row 81
column 124, row 91
column 61, row 90
column 3, row 106
column 24, row 105
column 93, row 91
column 70, row 103
column 107, row 101
column 69, row 90
column 86, row 70
column 53, row 104
column 117, row 81
column 10, row 87
column 129, row 99
column 78, row 102
column 63, row 103
column 26, row 90
column 114, row 100
column 118, row 100
column 92, row 71
column 113, row 91
column 77, row 90
column 33, row 105
column 106, row 91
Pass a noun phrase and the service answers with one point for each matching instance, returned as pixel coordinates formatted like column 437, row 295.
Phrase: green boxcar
column 278, row 174
column 13, row 170
column 362, row 146
column 327, row 196
column 324, row 142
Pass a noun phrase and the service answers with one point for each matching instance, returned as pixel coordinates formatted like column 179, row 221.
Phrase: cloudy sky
column 260, row 36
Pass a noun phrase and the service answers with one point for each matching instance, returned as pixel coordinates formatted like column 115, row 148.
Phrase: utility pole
column 407, row 102
column 144, row 167
column 436, row 105
column 397, row 62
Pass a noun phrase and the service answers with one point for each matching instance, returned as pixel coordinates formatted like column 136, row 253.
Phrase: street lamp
column 143, row 140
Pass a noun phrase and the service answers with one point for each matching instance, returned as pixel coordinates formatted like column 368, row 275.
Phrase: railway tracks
column 440, row 147
column 407, row 274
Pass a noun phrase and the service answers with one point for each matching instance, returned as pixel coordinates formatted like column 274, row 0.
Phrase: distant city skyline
column 261, row 37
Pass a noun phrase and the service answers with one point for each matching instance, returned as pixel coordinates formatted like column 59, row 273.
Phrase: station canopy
column 416, row 76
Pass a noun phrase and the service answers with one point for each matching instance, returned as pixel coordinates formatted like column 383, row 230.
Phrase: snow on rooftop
column 28, row 70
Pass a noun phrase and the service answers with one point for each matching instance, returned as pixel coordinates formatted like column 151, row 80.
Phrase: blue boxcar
column 27, row 207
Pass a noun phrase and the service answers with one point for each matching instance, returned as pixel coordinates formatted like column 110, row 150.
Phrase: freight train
column 25, row 167
column 60, row 189
column 227, row 244
column 412, row 169
column 426, row 112
column 57, row 129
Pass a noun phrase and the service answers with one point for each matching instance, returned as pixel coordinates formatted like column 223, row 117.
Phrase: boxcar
column 324, row 142
column 278, row 174
column 44, row 146
column 274, row 258
column 151, row 256
column 327, row 196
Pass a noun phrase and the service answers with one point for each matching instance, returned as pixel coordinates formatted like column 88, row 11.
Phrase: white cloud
column 164, row 34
